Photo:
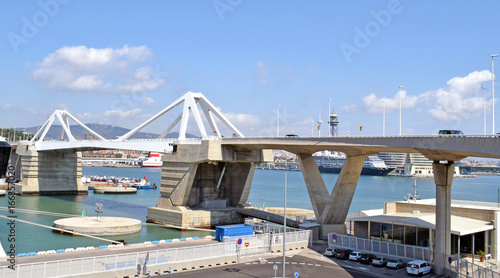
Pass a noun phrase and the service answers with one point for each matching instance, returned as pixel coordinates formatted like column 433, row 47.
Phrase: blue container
column 237, row 230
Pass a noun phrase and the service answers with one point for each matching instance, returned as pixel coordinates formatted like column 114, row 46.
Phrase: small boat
column 120, row 189
column 143, row 184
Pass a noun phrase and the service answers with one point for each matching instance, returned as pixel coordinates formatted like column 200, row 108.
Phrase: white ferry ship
column 153, row 160
column 332, row 162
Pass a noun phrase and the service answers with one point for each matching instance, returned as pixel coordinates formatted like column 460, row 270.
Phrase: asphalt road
column 308, row 263
column 304, row 265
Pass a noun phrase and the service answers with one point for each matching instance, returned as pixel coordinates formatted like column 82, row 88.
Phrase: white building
column 473, row 225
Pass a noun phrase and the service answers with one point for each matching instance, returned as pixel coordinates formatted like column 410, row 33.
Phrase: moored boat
column 153, row 160
column 332, row 162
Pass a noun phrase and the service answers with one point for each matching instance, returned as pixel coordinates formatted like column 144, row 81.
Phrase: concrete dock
column 105, row 226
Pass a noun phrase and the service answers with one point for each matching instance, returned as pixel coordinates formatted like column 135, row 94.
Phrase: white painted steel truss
column 62, row 117
column 190, row 101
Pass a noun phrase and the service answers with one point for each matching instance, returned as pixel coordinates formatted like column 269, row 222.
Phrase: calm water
column 267, row 188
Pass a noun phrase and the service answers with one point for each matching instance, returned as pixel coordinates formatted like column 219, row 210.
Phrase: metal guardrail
column 258, row 244
column 466, row 269
column 98, row 264
column 380, row 247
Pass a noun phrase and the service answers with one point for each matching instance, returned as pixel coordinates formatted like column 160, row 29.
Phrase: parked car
column 418, row 267
column 367, row 258
column 397, row 264
column 330, row 251
column 355, row 256
column 379, row 262
column 343, row 254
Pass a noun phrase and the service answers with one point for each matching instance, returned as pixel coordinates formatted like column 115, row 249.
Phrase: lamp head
column 494, row 55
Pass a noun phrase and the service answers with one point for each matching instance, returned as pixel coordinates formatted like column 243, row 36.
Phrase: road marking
column 348, row 266
column 317, row 264
column 310, row 264
column 294, row 263
column 302, row 263
column 364, row 268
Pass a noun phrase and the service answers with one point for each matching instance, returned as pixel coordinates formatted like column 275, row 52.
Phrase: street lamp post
column 383, row 120
column 400, row 110
column 493, row 93
column 484, row 109
column 284, row 223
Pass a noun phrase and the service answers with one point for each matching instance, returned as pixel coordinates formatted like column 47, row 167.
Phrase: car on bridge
column 450, row 132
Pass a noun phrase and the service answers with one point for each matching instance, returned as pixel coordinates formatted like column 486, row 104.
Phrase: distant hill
column 106, row 131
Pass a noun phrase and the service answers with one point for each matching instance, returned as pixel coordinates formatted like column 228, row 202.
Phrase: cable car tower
column 334, row 124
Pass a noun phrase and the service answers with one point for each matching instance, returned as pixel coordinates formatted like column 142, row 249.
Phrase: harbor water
column 267, row 190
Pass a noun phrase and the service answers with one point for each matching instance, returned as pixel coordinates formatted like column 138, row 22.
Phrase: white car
column 418, row 267
column 355, row 256
column 330, row 251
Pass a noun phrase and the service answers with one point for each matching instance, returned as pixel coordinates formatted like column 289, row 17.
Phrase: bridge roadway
column 434, row 147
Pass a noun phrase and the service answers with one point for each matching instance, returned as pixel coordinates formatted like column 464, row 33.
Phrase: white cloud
column 348, row 109
column 84, row 69
column 122, row 114
column 148, row 100
column 243, row 120
column 375, row 105
column 459, row 100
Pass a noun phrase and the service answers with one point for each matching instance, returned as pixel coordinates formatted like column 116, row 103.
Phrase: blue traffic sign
column 296, row 275
column 334, row 236
column 450, row 260
column 240, row 241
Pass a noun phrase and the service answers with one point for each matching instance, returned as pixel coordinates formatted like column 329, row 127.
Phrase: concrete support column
column 335, row 213
column 316, row 187
column 496, row 237
column 443, row 177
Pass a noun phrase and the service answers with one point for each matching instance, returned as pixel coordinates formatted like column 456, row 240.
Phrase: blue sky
column 120, row 62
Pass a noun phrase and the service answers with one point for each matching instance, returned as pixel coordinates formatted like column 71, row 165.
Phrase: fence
column 258, row 244
column 98, row 264
column 466, row 269
column 264, row 243
column 381, row 247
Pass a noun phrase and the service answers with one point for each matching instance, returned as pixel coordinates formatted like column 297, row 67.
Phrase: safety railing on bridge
column 380, row 247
